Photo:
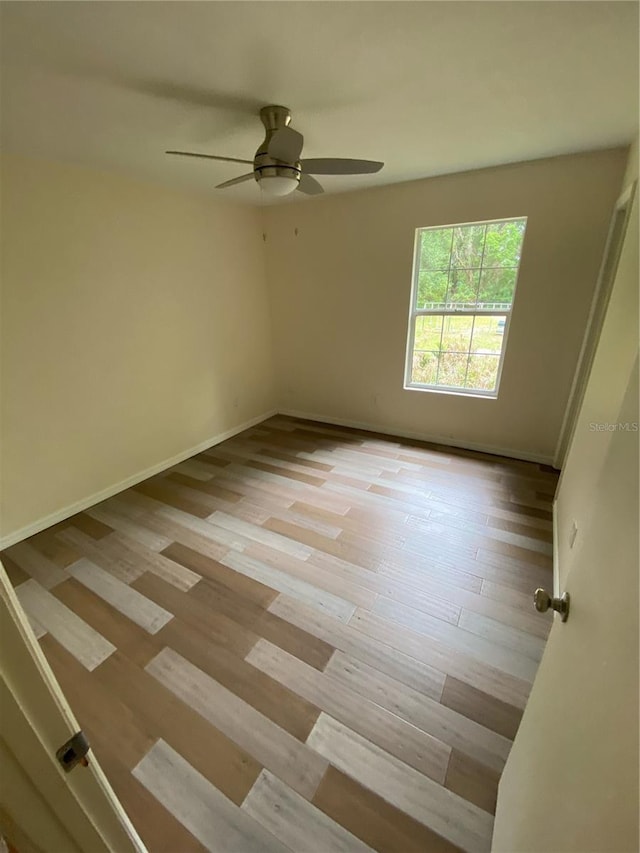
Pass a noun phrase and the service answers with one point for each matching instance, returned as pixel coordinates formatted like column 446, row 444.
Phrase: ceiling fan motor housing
column 274, row 118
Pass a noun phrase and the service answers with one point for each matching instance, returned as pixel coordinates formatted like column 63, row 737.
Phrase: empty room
column 319, row 426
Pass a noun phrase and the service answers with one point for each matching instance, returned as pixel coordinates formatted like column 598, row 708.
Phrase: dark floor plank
column 481, row 707
column 367, row 816
column 472, row 780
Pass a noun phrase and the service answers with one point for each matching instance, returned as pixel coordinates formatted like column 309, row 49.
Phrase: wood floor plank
column 128, row 601
column 286, row 708
column 431, row 596
column 353, row 547
column 84, row 522
column 36, row 565
column 512, row 573
column 195, row 469
column 150, row 561
column 158, row 828
column 162, row 714
column 386, row 528
column 513, row 638
column 494, row 714
column 451, row 816
column 213, row 819
column 474, row 645
column 257, row 481
column 310, row 479
column 371, row 818
column 260, row 534
column 473, row 781
column 136, row 531
column 115, row 559
column 443, row 600
column 15, row 574
column 300, row 459
column 47, row 544
column 414, row 568
column 315, row 597
column 311, row 521
column 236, row 623
column 85, row 644
column 297, row 823
column 167, row 494
column 125, row 635
column 222, row 536
column 276, row 477
column 337, row 580
column 36, row 627
column 425, row 713
column 194, row 491
column 509, row 688
column 166, row 527
column 274, row 748
column 388, row 731
column 539, row 532
column 405, row 668
column 126, row 559
column 216, row 627
column 215, row 571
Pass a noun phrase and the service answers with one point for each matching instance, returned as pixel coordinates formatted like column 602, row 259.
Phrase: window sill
column 477, row 395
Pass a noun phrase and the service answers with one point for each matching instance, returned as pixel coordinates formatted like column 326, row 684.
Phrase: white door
column 44, row 807
column 570, row 784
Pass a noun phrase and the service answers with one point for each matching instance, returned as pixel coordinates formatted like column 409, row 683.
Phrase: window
column 464, row 283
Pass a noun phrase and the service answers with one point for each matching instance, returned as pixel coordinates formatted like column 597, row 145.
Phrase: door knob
column 543, row 601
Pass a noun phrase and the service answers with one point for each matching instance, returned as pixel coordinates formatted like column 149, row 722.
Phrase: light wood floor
column 306, row 638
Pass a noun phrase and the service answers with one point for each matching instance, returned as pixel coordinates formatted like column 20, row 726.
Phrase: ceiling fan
column 277, row 166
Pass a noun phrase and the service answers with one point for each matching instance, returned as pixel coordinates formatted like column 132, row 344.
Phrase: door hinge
column 74, row 751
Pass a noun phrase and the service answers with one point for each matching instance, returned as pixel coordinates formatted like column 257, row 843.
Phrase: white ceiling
column 428, row 87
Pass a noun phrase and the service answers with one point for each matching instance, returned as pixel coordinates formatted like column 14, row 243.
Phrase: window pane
column 503, row 243
column 468, row 272
column 468, row 241
column 432, row 288
column 424, row 368
column 463, row 287
column 435, row 249
column 453, row 368
column 428, row 333
column 482, row 374
column 457, row 334
column 496, row 287
column 488, row 334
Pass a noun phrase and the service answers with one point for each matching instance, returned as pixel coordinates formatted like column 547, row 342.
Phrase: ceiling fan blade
column 233, row 181
column 309, row 185
column 340, row 166
column 286, row 145
column 209, row 157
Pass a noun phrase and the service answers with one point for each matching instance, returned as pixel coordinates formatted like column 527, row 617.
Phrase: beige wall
column 616, row 352
column 340, row 291
column 135, row 326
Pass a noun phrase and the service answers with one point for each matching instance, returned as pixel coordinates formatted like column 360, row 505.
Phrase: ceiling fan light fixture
column 277, row 186
column 277, row 166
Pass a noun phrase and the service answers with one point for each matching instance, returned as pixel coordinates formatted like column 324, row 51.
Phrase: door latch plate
column 74, row 751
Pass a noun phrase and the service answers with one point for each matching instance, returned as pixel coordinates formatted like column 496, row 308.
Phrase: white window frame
column 414, row 313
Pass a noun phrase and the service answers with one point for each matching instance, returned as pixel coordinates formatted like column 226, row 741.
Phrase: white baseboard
column 91, row 500
column 421, row 436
